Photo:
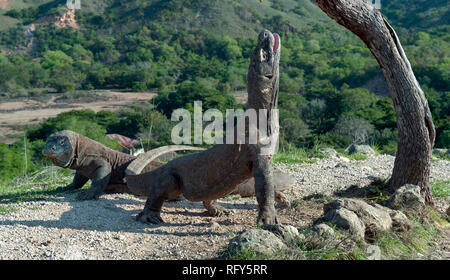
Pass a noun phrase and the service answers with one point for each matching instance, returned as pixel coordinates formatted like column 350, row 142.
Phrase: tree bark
column 416, row 132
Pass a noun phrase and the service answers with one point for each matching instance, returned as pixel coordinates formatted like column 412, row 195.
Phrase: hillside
column 331, row 88
column 74, row 69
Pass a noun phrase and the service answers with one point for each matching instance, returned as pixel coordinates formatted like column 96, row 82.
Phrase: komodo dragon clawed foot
column 69, row 187
column 88, row 195
column 149, row 217
column 282, row 199
column 267, row 217
column 215, row 209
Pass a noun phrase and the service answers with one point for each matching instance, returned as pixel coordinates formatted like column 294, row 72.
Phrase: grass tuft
column 35, row 186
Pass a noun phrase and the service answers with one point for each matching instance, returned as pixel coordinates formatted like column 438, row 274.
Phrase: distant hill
column 227, row 17
column 183, row 47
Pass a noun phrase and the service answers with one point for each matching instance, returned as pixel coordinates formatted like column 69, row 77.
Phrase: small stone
column 214, row 226
column 329, row 152
column 362, row 149
column 323, row 229
column 286, row 232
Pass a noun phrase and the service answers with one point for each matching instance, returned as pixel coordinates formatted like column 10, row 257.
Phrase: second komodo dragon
column 92, row 160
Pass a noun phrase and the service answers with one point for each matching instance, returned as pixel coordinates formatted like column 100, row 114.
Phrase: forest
column 327, row 93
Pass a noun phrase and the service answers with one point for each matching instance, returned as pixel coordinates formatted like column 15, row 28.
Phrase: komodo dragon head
column 59, row 148
column 263, row 72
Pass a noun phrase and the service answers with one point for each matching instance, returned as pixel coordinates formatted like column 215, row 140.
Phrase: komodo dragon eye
column 62, row 141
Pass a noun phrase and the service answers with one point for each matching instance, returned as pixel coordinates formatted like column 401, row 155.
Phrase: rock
column 285, row 232
column 407, row 197
column 323, row 229
column 329, row 152
column 399, row 220
column 214, row 226
column 341, row 165
column 257, row 240
column 347, row 220
column 440, row 152
column 363, row 149
column 344, row 159
column 373, row 252
column 378, row 219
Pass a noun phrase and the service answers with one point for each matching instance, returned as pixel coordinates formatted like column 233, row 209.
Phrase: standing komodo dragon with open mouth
column 216, row 172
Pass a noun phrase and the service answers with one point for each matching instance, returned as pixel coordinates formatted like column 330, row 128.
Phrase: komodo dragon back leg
column 165, row 189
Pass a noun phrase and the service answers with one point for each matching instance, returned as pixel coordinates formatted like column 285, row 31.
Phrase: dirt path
column 4, row 4
column 14, row 116
column 62, row 228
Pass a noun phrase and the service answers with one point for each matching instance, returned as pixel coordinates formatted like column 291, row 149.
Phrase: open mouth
column 276, row 45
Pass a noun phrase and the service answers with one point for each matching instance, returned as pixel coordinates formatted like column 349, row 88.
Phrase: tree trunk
column 416, row 132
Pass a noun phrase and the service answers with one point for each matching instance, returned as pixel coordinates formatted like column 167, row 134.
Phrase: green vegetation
column 34, row 186
column 199, row 50
column 440, row 188
column 141, row 120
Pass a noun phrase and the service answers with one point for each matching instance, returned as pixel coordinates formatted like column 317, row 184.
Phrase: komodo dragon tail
column 135, row 182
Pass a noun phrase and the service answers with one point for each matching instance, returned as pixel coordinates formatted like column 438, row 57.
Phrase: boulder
column 364, row 220
column 256, row 240
column 399, row 220
column 329, row 152
column 323, row 229
column 407, row 197
column 379, row 220
column 440, row 152
column 347, row 220
column 286, row 232
column 363, row 149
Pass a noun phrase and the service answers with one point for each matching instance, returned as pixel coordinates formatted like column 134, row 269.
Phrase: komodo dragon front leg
column 100, row 172
column 264, row 189
column 78, row 182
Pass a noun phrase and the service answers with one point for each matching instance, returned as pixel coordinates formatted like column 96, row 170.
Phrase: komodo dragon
column 62, row 141
column 92, row 160
column 214, row 173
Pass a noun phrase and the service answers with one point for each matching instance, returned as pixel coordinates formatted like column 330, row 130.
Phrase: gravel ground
column 62, row 228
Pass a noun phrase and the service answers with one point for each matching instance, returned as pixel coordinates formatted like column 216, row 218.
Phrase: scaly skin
column 216, row 172
column 92, row 160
